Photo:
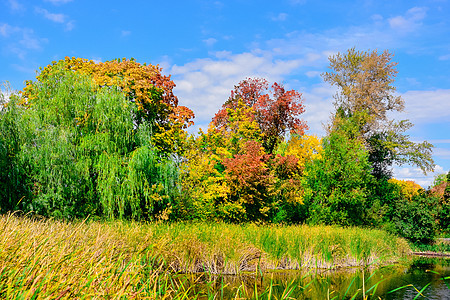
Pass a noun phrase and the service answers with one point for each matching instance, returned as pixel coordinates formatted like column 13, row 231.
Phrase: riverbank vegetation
column 108, row 140
column 45, row 258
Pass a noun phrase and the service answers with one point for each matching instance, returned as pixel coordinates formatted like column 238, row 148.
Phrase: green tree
column 336, row 183
column 365, row 84
column 84, row 152
column 439, row 179
column 447, row 188
column 12, row 177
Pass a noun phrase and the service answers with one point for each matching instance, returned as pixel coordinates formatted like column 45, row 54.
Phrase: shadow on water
column 420, row 278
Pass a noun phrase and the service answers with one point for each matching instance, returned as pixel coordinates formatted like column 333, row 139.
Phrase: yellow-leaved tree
column 305, row 147
column 408, row 188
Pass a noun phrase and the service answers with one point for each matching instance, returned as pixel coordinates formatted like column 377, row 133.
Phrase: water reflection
column 402, row 281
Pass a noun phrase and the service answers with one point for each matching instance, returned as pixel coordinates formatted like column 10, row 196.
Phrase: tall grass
column 50, row 259
column 230, row 249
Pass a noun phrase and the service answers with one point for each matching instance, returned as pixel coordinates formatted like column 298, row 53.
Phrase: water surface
column 400, row 281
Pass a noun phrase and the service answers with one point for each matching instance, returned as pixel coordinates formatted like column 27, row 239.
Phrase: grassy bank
column 57, row 260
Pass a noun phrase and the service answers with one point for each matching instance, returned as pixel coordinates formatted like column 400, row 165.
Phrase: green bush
column 415, row 219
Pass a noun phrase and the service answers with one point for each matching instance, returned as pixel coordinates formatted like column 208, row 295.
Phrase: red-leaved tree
column 276, row 110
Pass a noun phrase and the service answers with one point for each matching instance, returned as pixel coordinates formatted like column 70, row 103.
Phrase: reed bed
column 51, row 259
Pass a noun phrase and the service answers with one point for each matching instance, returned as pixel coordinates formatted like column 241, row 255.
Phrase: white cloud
column 30, row 40
column 210, row 42
column 280, row 17
column 427, row 106
column 15, row 5
column 442, row 153
column 416, row 175
column 57, row 18
column 70, row 25
column 18, row 41
column 205, row 84
column 410, row 21
column 319, row 105
column 377, row 18
column 444, row 57
column 441, row 141
column 312, row 74
column 125, row 33
column 6, row 30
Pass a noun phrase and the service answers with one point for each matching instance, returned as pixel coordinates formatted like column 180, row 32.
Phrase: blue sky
column 209, row 46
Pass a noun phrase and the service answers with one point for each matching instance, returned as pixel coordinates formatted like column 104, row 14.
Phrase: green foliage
column 336, row 183
column 383, row 196
column 150, row 92
column 84, row 153
column 108, row 140
column 444, row 216
column 12, row 184
column 415, row 219
column 228, row 175
column 365, row 82
column 447, row 188
column 439, row 179
column 391, row 146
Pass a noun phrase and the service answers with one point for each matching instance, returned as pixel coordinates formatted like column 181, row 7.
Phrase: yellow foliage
column 142, row 84
column 204, row 185
column 408, row 188
column 305, row 148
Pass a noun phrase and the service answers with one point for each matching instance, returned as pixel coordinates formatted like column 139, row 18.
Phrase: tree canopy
column 276, row 110
column 142, row 84
column 109, row 140
column 365, row 90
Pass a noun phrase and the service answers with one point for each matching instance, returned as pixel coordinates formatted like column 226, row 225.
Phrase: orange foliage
column 144, row 85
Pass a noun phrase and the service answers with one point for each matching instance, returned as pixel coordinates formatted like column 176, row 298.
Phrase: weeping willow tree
column 80, row 150
column 12, row 183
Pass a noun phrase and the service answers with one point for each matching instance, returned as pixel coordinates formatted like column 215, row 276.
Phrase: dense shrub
column 415, row 219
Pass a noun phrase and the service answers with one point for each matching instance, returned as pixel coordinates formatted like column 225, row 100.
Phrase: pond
column 428, row 276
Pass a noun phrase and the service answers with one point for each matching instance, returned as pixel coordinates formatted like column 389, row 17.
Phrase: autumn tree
column 142, row 84
column 76, row 149
column 365, row 87
column 276, row 110
column 211, row 188
column 408, row 188
column 305, row 148
column 229, row 169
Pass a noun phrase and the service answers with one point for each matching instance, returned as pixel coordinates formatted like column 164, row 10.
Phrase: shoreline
column 431, row 254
